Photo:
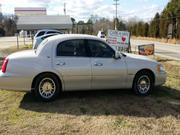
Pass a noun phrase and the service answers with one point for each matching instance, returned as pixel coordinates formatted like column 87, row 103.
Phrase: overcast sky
column 82, row 9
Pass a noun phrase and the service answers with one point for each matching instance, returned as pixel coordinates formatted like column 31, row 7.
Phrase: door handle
column 98, row 64
column 61, row 63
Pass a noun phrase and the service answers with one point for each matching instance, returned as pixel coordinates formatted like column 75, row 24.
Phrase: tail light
column 4, row 65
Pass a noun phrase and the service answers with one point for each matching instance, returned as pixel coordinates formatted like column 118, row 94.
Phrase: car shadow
column 162, row 102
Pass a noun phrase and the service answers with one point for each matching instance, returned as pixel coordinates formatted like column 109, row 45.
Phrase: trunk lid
column 23, row 54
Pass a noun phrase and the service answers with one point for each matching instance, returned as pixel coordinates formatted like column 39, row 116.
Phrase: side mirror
column 117, row 55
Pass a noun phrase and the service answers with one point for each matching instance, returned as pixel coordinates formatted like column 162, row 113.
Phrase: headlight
column 160, row 68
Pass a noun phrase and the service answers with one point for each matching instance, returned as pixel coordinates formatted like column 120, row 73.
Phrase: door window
column 72, row 48
column 100, row 49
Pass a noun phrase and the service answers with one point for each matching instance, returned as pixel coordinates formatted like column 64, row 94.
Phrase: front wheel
column 143, row 83
column 47, row 87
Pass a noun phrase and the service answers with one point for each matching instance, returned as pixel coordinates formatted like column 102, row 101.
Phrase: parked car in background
column 39, row 39
column 102, row 35
column 69, row 62
column 46, row 31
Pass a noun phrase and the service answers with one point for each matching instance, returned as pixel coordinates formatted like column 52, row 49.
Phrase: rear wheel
column 47, row 87
column 143, row 83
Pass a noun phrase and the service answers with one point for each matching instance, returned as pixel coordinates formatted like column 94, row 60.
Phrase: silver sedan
column 78, row 62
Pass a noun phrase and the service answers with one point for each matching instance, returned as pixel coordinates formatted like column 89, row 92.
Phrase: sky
column 83, row 9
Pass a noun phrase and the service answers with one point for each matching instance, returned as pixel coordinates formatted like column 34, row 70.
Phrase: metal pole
column 116, row 17
column 116, row 3
column 24, row 38
column 32, row 37
column 17, row 41
column 176, row 28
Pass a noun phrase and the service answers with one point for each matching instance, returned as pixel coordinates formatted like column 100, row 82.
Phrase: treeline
column 95, row 24
column 166, row 24
column 7, row 25
column 163, row 25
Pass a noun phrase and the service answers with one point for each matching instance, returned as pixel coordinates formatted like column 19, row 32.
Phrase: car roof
column 61, row 37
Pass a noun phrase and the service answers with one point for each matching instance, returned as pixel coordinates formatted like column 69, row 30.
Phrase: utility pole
column 116, row 3
column 0, row 8
column 65, row 9
column 1, row 16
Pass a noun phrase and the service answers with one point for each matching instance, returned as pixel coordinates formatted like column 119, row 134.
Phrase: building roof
column 30, row 9
column 44, row 22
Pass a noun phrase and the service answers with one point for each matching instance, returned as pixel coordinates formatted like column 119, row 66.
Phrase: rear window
column 102, row 36
column 40, row 33
column 49, row 32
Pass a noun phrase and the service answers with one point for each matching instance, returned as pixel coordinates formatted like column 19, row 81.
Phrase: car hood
column 23, row 54
column 139, row 57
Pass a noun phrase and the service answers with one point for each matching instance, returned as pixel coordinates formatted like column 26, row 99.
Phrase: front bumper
column 13, row 82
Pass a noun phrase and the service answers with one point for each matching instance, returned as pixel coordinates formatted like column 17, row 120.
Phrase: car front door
column 107, row 72
column 73, row 64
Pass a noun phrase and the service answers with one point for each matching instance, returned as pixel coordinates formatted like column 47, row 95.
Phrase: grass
column 7, row 51
column 14, row 49
column 96, row 112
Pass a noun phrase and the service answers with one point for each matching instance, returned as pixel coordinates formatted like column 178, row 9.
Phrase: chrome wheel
column 47, row 88
column 143, row 84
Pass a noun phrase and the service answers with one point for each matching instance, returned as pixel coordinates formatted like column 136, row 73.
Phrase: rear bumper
column 13, row 82
column 160, row 78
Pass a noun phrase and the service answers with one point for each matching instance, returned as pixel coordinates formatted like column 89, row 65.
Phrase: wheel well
column 146, row 71
column 35, row 78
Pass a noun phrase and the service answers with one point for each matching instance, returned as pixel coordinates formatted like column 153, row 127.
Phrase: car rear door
column 73, row 64
column 107, row 72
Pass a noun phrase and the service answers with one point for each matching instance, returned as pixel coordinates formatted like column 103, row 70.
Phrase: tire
column 143, row 83
column 47, row 87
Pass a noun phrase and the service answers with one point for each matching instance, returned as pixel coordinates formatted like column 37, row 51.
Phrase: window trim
column 85, row 46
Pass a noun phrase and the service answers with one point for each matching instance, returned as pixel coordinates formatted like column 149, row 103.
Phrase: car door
column 73, row 65
column 107, row 72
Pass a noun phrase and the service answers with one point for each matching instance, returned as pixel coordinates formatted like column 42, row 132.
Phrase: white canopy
column 44, row 22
